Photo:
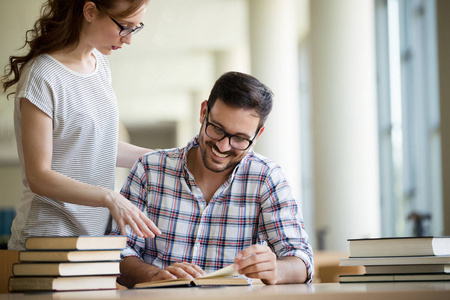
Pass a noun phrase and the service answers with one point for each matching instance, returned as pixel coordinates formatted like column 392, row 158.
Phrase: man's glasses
column 218, row 134
column 127, row 30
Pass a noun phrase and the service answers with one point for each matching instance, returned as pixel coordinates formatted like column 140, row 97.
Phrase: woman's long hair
column 59, row 28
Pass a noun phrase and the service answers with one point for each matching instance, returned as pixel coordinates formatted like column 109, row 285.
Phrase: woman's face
column 104, row 32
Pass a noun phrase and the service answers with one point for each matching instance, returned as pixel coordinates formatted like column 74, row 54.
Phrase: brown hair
column 244, row 91
column 59, row 27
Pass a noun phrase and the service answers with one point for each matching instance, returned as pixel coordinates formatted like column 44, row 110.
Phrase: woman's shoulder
column 39, row 64
column 41, row 68
column 37, row 70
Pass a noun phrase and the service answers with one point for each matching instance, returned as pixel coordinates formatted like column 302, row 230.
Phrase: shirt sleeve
column 35, row 87
column 135, row 190
column 281, row 222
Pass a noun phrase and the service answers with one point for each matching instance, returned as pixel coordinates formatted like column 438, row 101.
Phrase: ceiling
column 172, row 62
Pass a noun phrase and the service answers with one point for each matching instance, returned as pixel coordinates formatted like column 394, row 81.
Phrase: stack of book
column 68, row 263
column 399, row 259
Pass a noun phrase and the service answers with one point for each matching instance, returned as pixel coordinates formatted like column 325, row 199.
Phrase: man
column 216, row 201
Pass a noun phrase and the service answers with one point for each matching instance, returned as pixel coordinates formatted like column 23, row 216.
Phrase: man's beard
column 208, row 161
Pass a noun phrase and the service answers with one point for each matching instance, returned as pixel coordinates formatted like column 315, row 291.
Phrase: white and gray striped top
column 85, row 117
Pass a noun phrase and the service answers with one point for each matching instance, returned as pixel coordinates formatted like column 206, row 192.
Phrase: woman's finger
column 149, row 223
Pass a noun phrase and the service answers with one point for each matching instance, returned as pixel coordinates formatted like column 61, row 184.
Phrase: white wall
column 15, row 18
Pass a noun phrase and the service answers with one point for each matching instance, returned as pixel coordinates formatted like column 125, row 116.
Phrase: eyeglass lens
column 127, row 30
column 218, row 134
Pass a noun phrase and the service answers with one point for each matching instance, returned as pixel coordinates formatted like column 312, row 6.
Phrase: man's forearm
column 291, row 269
column 134, row 270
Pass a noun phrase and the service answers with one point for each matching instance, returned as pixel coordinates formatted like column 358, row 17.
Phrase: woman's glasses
column 127, row 30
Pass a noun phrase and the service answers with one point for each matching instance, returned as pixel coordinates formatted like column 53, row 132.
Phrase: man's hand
column 257, row 261
column 179, row 270
column 135, row 270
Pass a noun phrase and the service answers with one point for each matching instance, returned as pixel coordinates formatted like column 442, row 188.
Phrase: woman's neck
column 77, row 59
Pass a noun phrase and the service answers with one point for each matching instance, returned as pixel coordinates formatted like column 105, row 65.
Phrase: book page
column 227, row 271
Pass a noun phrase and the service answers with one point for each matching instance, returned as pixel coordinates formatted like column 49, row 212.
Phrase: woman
column 66, row 121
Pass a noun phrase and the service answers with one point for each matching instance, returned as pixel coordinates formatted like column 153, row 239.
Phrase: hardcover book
column 404, row 246
column 66, row 269
column 407, row 269
column 399, row 260
column 393, row 277
column 76, row 242
column 70, row 256
column 24, row 284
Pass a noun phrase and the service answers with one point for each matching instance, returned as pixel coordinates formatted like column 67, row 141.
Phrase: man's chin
column 216, row 167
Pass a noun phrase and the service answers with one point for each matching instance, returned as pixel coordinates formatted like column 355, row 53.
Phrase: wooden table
column 335, row 291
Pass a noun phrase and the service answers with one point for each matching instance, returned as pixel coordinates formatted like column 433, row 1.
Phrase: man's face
column 219, row 156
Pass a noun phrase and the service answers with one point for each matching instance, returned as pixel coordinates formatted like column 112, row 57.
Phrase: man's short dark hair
column 241, row 90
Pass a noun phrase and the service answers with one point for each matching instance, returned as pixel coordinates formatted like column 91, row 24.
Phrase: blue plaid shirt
column 254, row 205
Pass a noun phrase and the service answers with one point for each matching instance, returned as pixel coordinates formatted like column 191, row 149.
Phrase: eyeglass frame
column 226, row 134
column 133, row 30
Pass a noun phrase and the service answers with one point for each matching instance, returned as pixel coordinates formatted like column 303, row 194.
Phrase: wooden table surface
column 335, row 291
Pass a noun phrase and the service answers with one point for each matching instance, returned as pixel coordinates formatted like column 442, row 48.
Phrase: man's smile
column 215, row 152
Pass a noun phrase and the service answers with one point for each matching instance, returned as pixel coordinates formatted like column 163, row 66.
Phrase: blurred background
column 361, row 91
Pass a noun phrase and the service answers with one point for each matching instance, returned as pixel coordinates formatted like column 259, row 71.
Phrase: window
column 408, row 115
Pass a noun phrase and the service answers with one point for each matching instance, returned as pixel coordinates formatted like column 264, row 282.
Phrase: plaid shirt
column 254, row 205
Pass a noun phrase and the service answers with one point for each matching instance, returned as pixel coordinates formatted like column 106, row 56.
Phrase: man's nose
column 224, row 144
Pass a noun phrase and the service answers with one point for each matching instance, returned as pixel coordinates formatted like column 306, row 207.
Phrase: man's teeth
column 218, row 153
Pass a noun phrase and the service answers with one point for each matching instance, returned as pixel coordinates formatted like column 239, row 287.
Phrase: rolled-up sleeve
column 281, row 222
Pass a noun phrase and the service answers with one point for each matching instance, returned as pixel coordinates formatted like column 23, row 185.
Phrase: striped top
column 254, row 206
column 84, row 111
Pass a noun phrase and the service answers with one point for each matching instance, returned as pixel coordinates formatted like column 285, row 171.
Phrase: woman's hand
column 126, row 213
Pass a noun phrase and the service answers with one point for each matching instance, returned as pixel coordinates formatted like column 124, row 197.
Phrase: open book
column 222, row 277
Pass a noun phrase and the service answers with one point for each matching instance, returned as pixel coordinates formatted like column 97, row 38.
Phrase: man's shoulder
column 258, row 168
column 255, row 161
column 164, row 154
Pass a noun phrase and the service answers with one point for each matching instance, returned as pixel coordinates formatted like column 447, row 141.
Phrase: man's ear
column 261, row 130
column 203, row 111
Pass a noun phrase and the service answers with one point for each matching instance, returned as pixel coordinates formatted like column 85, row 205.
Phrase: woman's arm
column 37, row 135
column 128, row 154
